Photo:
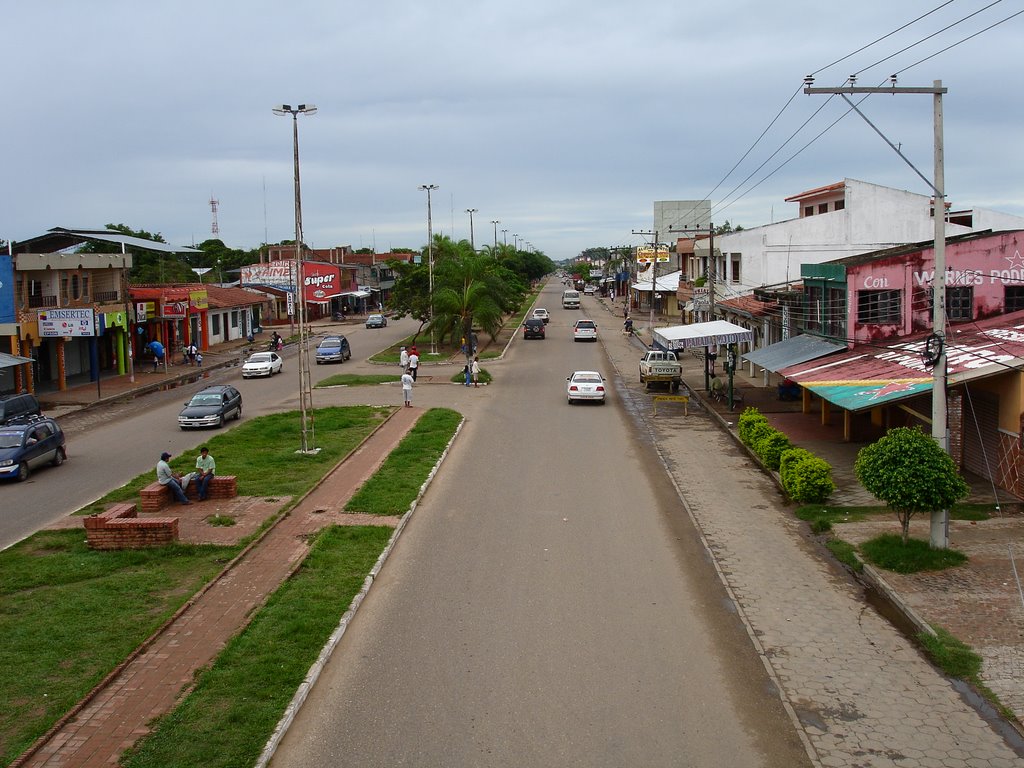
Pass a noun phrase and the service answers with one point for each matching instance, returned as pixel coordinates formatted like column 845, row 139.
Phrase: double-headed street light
column 305, row 393
column 495, row 222
column 472, row 240
column 504, row 236
column 428, row 188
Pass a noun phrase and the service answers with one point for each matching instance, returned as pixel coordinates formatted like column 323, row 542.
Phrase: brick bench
column 120, row 528
column 155, row 496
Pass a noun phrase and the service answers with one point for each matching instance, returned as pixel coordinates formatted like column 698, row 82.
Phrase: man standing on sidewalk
column 414, row 363
column 407, row 381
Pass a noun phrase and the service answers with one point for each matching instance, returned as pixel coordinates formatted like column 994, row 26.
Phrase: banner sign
column 66, row 322
column 6, row 290
column 320, row 282
column 645, row 254
column 175, row 309
column 274, row 274
column 198, row 300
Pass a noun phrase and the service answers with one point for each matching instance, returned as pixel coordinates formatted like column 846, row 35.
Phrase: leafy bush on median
column 805, row 477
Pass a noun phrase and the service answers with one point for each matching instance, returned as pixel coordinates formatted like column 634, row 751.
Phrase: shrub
column 750, row 424
column 821, row 525
column 789, row 459
column 770, row 446
column 807, row 478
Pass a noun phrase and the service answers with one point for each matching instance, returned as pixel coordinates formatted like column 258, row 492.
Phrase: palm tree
column 470, row 290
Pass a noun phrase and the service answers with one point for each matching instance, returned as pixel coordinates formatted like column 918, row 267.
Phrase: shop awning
column 702, row 335
column 357, row 294
column 798, row 349
column 871, row 375
column 9, row 361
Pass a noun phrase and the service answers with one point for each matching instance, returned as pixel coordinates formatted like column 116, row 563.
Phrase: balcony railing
column 106, row 297
column 35, row 302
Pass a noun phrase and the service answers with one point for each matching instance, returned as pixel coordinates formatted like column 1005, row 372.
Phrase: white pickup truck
column 660, row 367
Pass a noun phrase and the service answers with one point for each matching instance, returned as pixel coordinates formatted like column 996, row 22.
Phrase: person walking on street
column 414, row 363
column 172, row 480
column 205, row 469
column 403, row 359
column 476, row 371
column 407, row 381
column 158, row 353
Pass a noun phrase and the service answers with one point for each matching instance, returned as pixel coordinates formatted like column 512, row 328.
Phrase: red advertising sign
column 320, row 281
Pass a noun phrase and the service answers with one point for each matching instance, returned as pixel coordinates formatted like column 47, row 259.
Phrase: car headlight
column 6, row 462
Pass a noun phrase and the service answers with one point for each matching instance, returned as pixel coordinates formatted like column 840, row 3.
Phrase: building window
column 234, row 318
column 812, row 318
column 85, row 287
column 1014, row 299
column 960, row 303
column 835, row 313
column 215, row 320
column 878, row 307
column 735, row 259
column 809, row 210
column 65, row 295
column 839, row 205
column 823, row 208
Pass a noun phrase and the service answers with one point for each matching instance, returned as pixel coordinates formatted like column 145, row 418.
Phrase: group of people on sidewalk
column 178, row 484
column 409, row 360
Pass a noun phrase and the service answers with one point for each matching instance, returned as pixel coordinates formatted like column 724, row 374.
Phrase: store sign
column 198, row 300
column 175, row 309
column 645, row 254
column 66, row 322
column 274, row 274
column 320, row 282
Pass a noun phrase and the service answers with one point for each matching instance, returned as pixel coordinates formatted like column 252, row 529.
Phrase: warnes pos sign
column 320, row 282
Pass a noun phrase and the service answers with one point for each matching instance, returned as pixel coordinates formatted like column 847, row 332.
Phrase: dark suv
column 211, row 407
column 17, row 406
column 533, row 328
column 27, row 444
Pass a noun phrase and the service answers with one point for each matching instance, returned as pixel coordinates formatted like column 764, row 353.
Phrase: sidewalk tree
column 911, row 473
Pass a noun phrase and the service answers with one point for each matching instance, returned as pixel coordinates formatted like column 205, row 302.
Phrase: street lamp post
column 428, row 188
column 305, row 393
column 504, row 236
column 472, row 239
column 495, row 222
column 515, row 241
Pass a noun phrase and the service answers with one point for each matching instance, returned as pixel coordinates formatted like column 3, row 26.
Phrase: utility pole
column 472, row 239
column 939, row 530
column 711, row 269
column 654, row 273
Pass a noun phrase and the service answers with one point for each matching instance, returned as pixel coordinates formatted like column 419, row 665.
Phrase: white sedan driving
column 585, row 385
column 262, row 364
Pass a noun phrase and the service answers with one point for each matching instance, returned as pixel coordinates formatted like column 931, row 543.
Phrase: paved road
column 549, row 604
column 111, row 444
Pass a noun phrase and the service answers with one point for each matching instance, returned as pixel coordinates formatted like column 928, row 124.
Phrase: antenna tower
column 214, row 228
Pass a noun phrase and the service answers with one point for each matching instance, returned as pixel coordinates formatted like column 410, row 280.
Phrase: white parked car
column 584, row 330
column 541, row 314
column 585, row 385
column 590, row 290
column 262, row 364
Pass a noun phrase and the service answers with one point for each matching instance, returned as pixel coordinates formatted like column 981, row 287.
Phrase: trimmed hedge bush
column 806, row 478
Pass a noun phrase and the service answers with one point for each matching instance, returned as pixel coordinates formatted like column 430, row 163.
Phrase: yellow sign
column 645, row 254
column 684, row 399
column 199, row 299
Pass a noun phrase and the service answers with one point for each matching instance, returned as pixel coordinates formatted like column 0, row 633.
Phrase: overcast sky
column 563, row 119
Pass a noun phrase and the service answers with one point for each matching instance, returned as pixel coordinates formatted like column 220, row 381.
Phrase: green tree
column 911, row 473
column 472, row 289
column 410, row 296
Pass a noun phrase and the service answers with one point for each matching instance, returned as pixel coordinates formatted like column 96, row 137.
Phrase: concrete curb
column 302, row 692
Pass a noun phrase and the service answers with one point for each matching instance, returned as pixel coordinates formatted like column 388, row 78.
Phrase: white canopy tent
column 702, row 335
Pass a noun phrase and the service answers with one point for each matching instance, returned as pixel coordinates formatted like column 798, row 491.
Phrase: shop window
column 1014, row 299
column 835, row 313
column 875, row 307
column 960, row 303
column 215, row 320
column 812, row 316
column 234, row 319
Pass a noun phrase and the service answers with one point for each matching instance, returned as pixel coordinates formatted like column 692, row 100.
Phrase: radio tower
column 213, row 209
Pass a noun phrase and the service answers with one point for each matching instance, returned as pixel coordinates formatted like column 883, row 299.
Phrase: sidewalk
column 149, row 684
column 859, row 691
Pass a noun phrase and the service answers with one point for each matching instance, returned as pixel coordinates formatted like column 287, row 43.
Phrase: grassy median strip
column 262, row 453
column 69, row 615
column 357, row 380
column 394, row 486
column 228, row 717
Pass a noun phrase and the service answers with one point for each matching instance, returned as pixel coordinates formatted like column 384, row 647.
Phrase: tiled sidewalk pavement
column 151, row 684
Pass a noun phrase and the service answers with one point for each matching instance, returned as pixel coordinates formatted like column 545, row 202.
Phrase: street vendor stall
column 709, row 335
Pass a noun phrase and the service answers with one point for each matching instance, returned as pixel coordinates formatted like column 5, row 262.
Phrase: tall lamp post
column 305, row 393
column 504, row 236
column 495, row 222
column 472, row 239
column 428, row 188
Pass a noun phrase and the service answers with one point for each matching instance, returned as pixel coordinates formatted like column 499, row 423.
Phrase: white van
column 570, row 299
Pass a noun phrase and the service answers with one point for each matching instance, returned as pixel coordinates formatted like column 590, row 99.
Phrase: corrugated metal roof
column 59, row 238
column 9, row 361
column 798, row 349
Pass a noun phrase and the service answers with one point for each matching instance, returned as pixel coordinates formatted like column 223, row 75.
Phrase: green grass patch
column 228, row 717
column 394, row 486
column 356, row 380
column 957, row 659
column 845, row 553
column 220, row 521
column 854, row 514
column 70, row 614
column 484, row 377
column 262, row 453
column 888, row 551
